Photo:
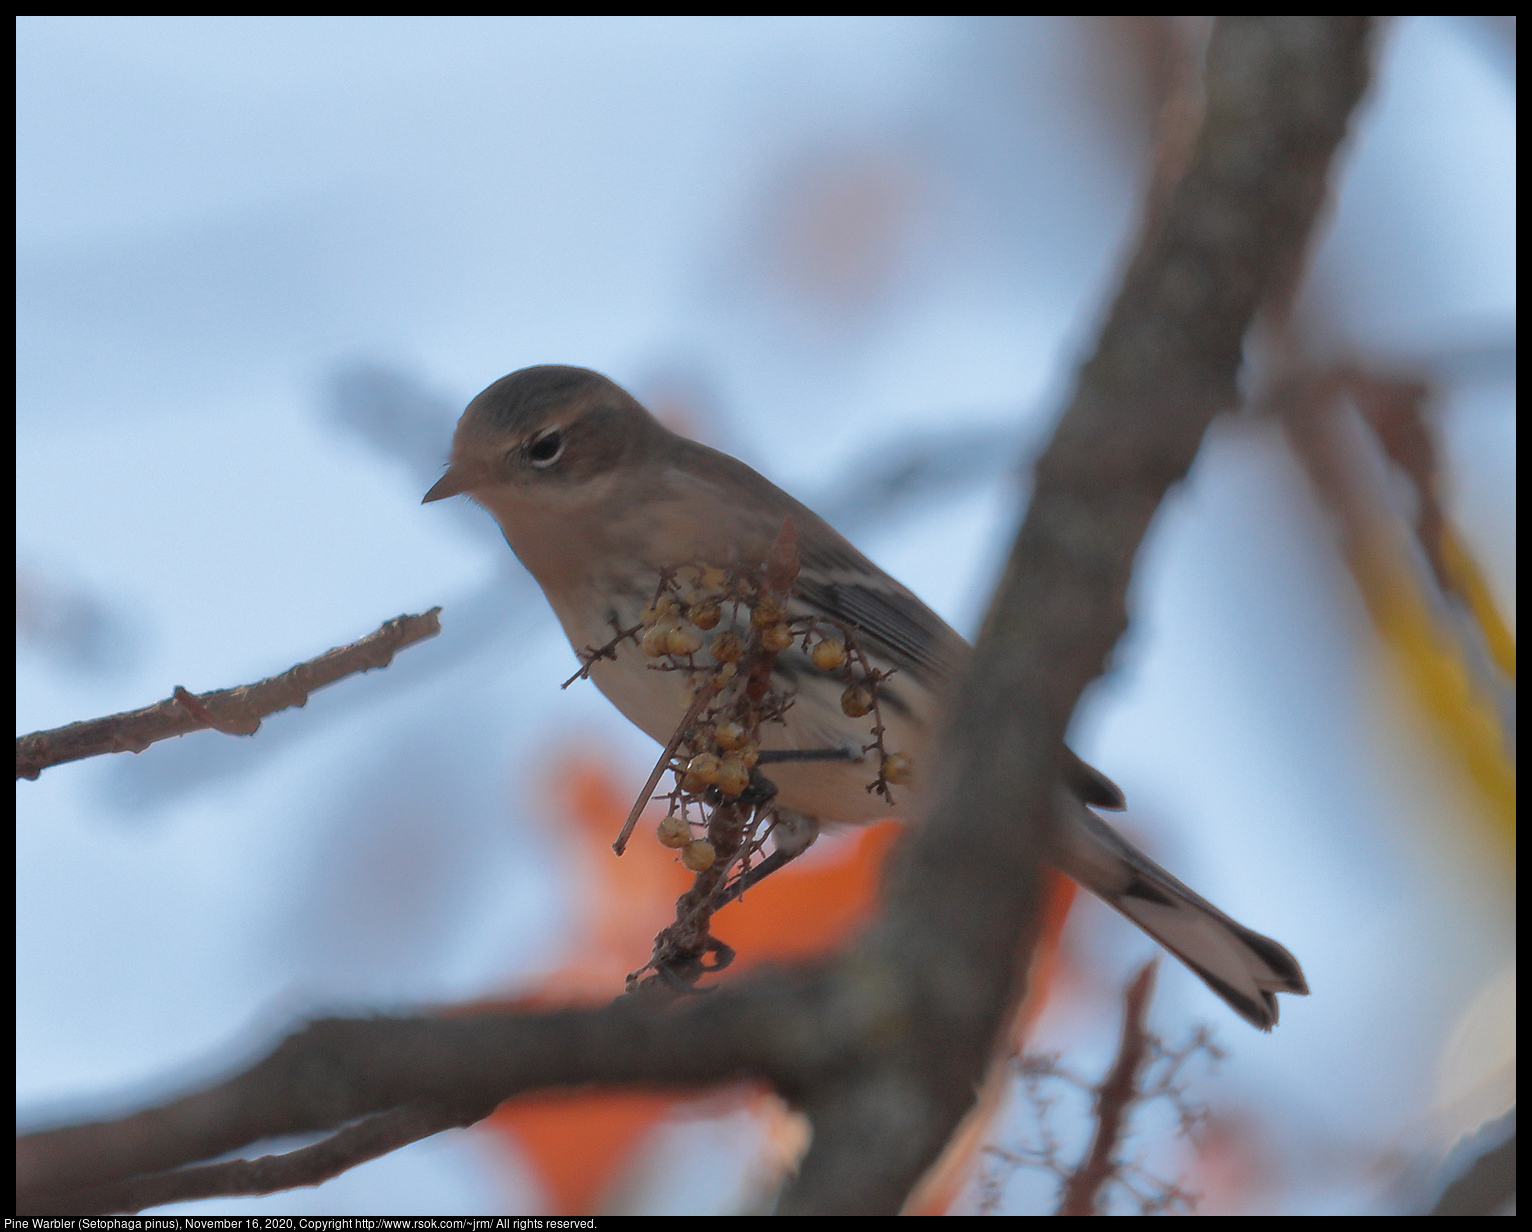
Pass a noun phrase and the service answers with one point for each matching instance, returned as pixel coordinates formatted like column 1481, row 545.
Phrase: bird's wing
column 834, row 580
column 850, row 588
column 838, row 581
column 1090, row 784
column 842, row 584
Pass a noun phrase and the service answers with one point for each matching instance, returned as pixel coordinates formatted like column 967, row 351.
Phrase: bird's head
column 550, row 438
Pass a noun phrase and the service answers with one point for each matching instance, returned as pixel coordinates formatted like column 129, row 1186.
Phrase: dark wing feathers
column 842, row 583
column 902, row 623
column 1090, row 784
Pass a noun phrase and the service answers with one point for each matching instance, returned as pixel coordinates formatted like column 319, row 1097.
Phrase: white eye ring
column 540, row 442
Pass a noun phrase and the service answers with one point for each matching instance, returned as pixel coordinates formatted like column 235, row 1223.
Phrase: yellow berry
column 733, row 775
column 776, row 638
column 682, row 641
column 714, row 580
column 698, row 855
column 730, row 735
column 704, row 768
column 856, row 701
column 657, row 640
column 829, row 654
column 662, row 607
column 750, row 754
column 767, row 612
column 744, row 587
column 723, row 674
column 704, row 615
column 897, row 768
column 673, row 832
column 727, row 646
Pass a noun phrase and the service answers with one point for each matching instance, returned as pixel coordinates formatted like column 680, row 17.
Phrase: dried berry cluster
column 720, row 745
column 725, row 626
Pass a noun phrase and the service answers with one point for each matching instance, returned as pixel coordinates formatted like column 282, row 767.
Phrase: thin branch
column 592, row 655
column 704, row 695
column 1144, row 1070
column 371, row 1138
column 1114, row 1098
column 336, row 1071
column 236, row 712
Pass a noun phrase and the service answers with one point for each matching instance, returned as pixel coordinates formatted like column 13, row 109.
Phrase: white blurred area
column 264, row 262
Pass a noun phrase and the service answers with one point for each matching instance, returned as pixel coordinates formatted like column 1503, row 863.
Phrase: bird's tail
column 1244, row 968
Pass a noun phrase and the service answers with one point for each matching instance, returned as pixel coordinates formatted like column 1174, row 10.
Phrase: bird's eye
column 544, row 450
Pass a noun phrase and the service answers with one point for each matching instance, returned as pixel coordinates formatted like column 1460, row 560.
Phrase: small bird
column 597, row 499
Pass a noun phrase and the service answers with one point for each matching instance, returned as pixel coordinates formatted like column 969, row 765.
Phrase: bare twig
column 1144, row 1070
column 699, row 703
column 237, row 712
column 592, row 655
column 1114, row 1097
column 885, row 1045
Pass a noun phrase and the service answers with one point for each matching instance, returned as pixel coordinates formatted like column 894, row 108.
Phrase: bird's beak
column 455, row 482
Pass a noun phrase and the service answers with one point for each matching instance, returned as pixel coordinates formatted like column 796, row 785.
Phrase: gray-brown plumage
column 596, row 498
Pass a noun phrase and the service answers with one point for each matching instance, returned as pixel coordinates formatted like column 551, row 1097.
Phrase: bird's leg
column 793, row 833
column 773, row 756
column 754, row 876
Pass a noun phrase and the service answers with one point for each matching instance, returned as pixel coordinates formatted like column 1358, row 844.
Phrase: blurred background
column 262, row 265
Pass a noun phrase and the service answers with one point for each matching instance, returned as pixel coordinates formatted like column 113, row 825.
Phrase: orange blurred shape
column 578, row 1144
column 808, row 909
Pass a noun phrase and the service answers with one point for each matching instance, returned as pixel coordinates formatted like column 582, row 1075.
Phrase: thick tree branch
column 312, row 1165
column 885, row 1045
column 236, row 712
column 961, row 900
column 336, row 1071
